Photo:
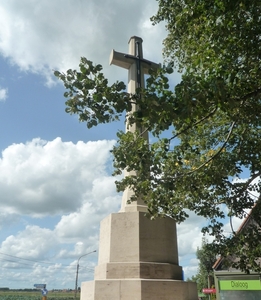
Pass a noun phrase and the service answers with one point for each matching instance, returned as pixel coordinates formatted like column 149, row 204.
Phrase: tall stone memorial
column 138, row 258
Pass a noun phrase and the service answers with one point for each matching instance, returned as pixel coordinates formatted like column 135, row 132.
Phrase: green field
column 17, row 295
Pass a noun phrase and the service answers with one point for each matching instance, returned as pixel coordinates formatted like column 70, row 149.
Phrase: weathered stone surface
column 138, row 259
column 139, row 289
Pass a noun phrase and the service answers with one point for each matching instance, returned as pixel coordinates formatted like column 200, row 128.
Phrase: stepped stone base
column 138, row 260
column 138, row 289
column 144, row 270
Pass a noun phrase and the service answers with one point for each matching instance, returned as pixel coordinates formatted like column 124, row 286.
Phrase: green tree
column 206, row 131
column 204, row 277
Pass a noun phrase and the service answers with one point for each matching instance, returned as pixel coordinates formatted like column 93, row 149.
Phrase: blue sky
column 55, row 180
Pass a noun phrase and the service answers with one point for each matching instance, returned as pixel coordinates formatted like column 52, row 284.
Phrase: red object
column 209, row 291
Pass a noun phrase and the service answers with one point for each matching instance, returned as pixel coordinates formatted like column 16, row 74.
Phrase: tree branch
column 194, row 124
column 251, row 94
column 216, row 154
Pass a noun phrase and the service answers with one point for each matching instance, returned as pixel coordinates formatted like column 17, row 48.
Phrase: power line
column 35, row 261
column 15, row 261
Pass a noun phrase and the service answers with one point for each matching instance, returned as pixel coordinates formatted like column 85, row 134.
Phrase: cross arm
column 126, row 60
column 119, row 59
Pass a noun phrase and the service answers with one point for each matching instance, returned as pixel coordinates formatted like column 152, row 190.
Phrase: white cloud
column 191, row 269
column 41, row 36
column 189, row 234
column 31, row 243
column 40, row 178
column 86, row 220
column 33, row 254
column 3, row 94
column 189, row 239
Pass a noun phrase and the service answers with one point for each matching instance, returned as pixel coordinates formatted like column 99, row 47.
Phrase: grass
column 21, row 295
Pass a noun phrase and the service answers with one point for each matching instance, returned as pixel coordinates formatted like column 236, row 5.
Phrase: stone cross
column 137, row 66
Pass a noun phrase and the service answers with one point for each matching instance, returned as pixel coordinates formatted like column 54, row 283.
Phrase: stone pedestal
column 142, row 289
column 138, row 260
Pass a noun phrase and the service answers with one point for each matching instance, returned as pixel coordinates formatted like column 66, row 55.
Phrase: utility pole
column 77, row 271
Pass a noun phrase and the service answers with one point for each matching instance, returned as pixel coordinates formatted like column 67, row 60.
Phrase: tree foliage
column 204, row 154
column 206, row 257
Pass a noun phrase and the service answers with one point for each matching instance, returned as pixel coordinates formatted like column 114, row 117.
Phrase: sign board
column 209, row 291
column 44, row 292
column 240, row 285
column 39, row 285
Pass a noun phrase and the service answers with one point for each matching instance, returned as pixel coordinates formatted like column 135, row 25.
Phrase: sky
column 55, row 174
